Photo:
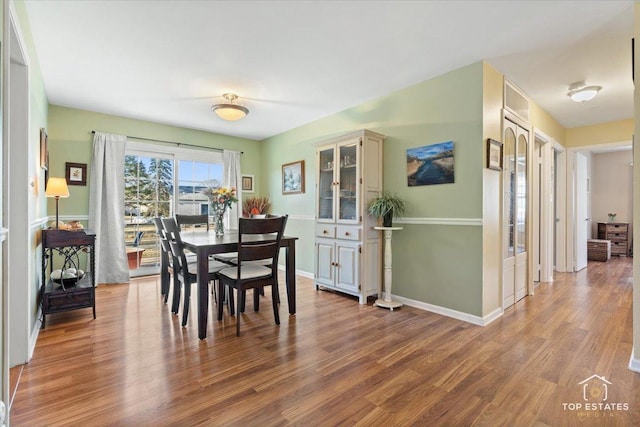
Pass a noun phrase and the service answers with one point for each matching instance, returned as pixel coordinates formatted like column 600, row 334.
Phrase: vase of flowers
column 220, row 199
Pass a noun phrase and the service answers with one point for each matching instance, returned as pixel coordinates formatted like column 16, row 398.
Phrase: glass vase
column 218, row 223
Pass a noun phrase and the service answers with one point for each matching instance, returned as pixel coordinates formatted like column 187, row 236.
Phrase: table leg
column 203, row 293
column 290, row 275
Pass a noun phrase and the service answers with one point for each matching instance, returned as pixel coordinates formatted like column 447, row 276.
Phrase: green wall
column 70, row 140
column 434, row 264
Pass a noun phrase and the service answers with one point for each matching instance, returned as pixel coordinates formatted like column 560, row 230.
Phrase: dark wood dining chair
column 193, row 220
column 250, row 275
column 165, row 251
column 186, row 272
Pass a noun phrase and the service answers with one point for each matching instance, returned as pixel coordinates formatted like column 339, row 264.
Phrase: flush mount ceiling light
column 229, row 110
column 580, row 92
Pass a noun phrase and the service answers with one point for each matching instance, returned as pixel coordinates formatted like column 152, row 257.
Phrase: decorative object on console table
column 76, row 173
column 67, row 292
column 252, row 206
column 617, row 233
column 293, row 177
column 387, row 302
column 612, row 217
column 57, row 187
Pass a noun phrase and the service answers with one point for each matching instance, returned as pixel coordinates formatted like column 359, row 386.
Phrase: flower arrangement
column 256, row 206
column 221, row 198
column 612, row 217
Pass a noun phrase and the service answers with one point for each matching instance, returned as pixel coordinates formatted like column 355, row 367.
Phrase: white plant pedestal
column 387, row 302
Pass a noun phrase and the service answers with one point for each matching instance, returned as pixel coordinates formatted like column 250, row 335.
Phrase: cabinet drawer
column 616, row 228
column 617, row 237
column 323, row 230
column 348, row 233
column 73, row 298
column 618, row 248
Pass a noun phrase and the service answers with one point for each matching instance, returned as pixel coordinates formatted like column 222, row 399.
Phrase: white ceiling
column 294, row 62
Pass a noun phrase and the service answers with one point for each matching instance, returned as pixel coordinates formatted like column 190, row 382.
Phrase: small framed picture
column 76, row 173
column 44, row 150
column 247, row 184
column 293, row 177
column 494, row 154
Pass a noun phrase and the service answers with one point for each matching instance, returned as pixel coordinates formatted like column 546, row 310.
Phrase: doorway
column 515, row 212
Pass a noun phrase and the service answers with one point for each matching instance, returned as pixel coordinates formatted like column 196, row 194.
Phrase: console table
column 387, row 302
column 67, row 246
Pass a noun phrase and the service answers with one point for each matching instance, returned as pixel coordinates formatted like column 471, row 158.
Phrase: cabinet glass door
column 347, row 182
column 326, row 184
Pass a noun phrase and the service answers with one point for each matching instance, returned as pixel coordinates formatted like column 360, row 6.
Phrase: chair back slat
column 250, row 250
column 194, row 220
column 172, row 233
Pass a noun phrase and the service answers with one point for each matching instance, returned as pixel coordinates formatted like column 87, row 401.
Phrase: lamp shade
column 230, row 110
column 580, row 92
column 57, row 187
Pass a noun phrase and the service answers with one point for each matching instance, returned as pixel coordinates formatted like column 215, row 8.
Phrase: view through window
column 161, row 184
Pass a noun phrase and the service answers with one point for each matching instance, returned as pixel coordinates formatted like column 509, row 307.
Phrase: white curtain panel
column 231, row 165
column 106, row 207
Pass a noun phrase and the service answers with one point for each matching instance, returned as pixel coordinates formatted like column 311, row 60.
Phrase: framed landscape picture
column 293, row 177
column 494, row 155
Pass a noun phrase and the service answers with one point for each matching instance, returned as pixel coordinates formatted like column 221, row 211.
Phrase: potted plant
column 386, row 206
column 256, row 207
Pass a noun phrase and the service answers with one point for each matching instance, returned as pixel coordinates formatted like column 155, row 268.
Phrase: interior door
column 515, row 219
column 582, row 213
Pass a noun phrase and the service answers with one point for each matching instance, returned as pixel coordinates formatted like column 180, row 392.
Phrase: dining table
column 207, row 243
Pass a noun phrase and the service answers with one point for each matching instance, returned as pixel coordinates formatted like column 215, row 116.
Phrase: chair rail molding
column 475, row 222
column 302, row 217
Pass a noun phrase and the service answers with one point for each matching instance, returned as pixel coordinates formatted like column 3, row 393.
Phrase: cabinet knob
column 324, row 231
column 346, row 233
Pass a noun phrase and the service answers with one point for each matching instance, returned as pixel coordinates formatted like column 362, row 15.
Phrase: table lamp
column 57, row 187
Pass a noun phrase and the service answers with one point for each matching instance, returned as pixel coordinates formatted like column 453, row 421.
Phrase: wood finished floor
column 336, row 362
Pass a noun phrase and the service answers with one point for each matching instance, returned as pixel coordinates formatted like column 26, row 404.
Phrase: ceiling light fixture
column 229, row 110
column 580, row 92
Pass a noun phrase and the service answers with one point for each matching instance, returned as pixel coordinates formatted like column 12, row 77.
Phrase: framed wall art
column 293, row 177
column 247, row 184
column 430, row 164
column 494, row 154
column 76, row 173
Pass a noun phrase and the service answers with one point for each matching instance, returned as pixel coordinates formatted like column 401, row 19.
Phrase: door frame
column 571, row 197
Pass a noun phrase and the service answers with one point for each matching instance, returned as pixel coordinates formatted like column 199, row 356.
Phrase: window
column 160, row 181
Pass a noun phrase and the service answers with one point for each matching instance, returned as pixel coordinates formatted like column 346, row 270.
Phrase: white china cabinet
column 348, row 251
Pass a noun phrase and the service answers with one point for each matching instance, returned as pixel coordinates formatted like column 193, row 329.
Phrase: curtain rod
column 179, row 144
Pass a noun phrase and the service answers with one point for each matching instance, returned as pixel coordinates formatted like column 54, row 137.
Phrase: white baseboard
column 459, row 315
column 298, row 272
column 634, row 364
column 33, row 339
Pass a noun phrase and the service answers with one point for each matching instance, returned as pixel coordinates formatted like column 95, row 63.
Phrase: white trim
column 303, row 217
column 459, row 315
column 33, row 338
column 70, row 217
column 476, row 222
column 634, row 364
column 298, row 272
column 39, row 222
column 3, row 233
